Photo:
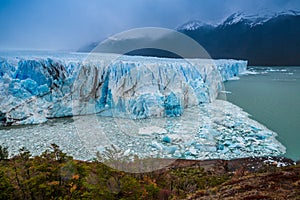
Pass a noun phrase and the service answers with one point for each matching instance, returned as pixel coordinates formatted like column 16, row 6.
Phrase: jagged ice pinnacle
column 36, row 88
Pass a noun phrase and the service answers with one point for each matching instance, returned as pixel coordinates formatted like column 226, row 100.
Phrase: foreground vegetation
column 55, row 175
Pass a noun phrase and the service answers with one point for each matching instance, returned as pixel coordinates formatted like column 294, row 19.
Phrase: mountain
column 194, row 25
column 263, row 40
column 269, row 39
column 88, row 47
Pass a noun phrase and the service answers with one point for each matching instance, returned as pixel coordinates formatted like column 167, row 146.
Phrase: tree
column 3, row 153
column 6, row 188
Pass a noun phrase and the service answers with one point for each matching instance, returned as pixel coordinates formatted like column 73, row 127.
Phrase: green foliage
column 49, row 176
column 6, row 188
column 54, row 175
column 3, row 153
column 55, row 154
column 130, row 188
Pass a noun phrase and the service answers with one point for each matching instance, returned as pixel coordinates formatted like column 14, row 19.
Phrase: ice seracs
column 34, row 89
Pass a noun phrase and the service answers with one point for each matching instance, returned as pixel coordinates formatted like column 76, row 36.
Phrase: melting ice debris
column 149, row 130
column 211, row 138
column 225, row 92
column 234, row 79
column 36, row 88
column 279, row 162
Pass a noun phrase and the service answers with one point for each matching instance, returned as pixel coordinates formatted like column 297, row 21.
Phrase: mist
column 70, row 24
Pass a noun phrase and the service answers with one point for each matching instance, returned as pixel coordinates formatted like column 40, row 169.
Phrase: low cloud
column 69, row 24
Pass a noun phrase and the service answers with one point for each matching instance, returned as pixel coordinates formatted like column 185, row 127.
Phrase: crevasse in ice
column 34, row 89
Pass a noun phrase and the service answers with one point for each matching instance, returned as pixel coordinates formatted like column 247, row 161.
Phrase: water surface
column 272, row 97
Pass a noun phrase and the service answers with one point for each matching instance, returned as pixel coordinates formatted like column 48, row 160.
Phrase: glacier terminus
column 144, row 106
column 36, row 89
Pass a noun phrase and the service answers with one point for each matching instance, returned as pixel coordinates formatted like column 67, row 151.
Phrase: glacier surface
column 133, row 97
column 37, row 87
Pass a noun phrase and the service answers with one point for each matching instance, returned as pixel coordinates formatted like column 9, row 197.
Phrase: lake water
column 272, row 97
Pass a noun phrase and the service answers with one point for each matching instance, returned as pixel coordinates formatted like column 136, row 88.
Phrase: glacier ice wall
column 34, row 89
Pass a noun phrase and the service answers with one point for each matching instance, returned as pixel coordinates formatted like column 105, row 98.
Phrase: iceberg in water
column 37, row 87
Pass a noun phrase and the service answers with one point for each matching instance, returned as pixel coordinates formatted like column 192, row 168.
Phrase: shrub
column 3, row 153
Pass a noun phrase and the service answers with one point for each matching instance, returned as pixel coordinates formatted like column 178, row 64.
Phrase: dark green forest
column 55, row 175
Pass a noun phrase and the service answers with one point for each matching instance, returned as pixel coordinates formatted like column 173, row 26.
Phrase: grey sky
column 69, row 24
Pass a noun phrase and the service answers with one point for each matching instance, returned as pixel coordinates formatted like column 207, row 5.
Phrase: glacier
column 37, row 87
column 141, row 106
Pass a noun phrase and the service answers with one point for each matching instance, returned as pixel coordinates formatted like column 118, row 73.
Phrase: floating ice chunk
column 211, row 148
column 157, row 145
column 234, row 79
column 127, row 152
column 220, row 147
column 193, row 151
column 171, row 149
column 225, row 92
column 149, row 130
column 166, row 139
column 198, row 146
column 177, row 154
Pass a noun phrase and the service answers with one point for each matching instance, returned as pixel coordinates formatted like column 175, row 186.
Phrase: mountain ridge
column 250, row 19
column 270, row 39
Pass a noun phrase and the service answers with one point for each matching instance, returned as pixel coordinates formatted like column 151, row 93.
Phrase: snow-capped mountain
column 250, row 20
column 268, row 39
column 194, row 25
column 264, row 39
column 236, row 18
column 255, row 19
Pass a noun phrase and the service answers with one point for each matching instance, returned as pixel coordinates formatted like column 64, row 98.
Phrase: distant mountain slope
column 88, row 47
column 269, row 40
column 272, row 39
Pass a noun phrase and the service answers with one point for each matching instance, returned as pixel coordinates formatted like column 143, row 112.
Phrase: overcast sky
column 69, row 24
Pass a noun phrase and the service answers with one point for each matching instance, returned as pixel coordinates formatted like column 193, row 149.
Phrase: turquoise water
column 272, row 97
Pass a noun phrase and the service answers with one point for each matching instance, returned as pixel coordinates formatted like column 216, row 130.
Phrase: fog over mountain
column 270, row 39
